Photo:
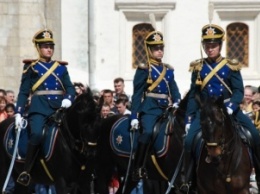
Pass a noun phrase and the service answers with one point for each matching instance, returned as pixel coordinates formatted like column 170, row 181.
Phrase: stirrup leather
column 24, row 178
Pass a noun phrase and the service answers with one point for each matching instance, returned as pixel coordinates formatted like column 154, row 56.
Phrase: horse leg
column 61, row 186
column 21, row 189
column 154, row 186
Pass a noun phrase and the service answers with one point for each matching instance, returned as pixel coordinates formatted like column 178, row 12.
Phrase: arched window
column 140, row 31
column 238, row 42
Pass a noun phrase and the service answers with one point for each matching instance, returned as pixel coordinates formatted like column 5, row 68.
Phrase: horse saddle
column 121, row 138
column 50, row 133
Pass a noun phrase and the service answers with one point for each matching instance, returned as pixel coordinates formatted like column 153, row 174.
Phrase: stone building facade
column 96, row 36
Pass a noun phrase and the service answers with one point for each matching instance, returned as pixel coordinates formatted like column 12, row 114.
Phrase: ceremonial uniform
column 230, row 75
column 219, row 77
column 154, row 90
column 50, row 87
column 151, row 104
column 47, row 98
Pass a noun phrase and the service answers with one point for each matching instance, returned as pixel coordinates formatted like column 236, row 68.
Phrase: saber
column 132, row 138
column 175, row 173
column 18, row 132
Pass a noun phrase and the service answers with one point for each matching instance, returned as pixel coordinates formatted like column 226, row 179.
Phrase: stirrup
column 185, row 188
column 139, row 173
column 24, row 178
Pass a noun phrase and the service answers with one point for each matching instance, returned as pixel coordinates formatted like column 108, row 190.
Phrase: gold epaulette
column 168, row 66
column 63, row 62
column 29, row 61
column 142, row 66
column 234, row 65
column 196, row 65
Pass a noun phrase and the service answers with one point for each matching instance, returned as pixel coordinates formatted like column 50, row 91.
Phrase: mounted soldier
column 49, row 84
column 154, row 91
column 220, row 77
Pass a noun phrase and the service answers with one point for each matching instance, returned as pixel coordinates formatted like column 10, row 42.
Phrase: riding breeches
column 193, row 131
column 148, row 123
column 36, row 122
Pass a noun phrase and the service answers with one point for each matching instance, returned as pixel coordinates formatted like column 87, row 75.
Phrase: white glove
column 18, row 120
column 230, row 111
column 175, row 105
column 135, row 124
column 66, row 103
column 187, row 128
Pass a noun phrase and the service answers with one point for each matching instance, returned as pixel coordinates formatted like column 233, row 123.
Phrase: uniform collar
column 210, row 61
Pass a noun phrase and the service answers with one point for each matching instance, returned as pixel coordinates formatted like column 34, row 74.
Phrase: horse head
column 216, row 126
column 80, row 121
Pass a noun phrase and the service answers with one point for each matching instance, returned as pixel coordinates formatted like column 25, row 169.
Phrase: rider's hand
column 230, row 111
column 187, row 128
column 18, row 120
column 66, row 103
column 175, row 105
column 135, row 124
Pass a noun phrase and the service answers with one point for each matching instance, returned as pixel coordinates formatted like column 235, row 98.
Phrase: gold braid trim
column 168, row 66
column 196, row 65
column 234, row 65
column 143, row 66
column 32, row 62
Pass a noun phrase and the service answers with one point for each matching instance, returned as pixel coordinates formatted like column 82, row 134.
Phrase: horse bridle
column 226, row 149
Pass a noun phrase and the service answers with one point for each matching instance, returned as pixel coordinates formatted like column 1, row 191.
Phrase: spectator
column 10, row 97
column 121, row 107
column 126, row 99
column 119, row 86
column 105, row 111
column 256, row 114
column 248, row 99
column 107, row 97
column 256, row 106
column 3, row 114
column 10, row 110
column 2, row 93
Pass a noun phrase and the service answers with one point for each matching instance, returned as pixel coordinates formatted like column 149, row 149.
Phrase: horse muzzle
column 214, row 151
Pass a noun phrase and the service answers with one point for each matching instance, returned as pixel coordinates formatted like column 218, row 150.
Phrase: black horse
column 224, row 165
column 160, row 164
column 71, row 157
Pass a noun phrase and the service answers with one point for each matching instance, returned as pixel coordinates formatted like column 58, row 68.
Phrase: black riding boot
column 139, row 162
column 256, row 158
column 25, row 177
column 186, row 172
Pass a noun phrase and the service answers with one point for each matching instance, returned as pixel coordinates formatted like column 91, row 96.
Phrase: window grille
column 140, row 31
column 237, row 42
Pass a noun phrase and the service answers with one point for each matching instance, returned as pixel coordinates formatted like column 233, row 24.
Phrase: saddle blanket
column 121, row 138
column 47, row 144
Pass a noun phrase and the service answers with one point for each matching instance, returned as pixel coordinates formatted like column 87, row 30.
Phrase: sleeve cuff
column 133, row 116
column 231, row 105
